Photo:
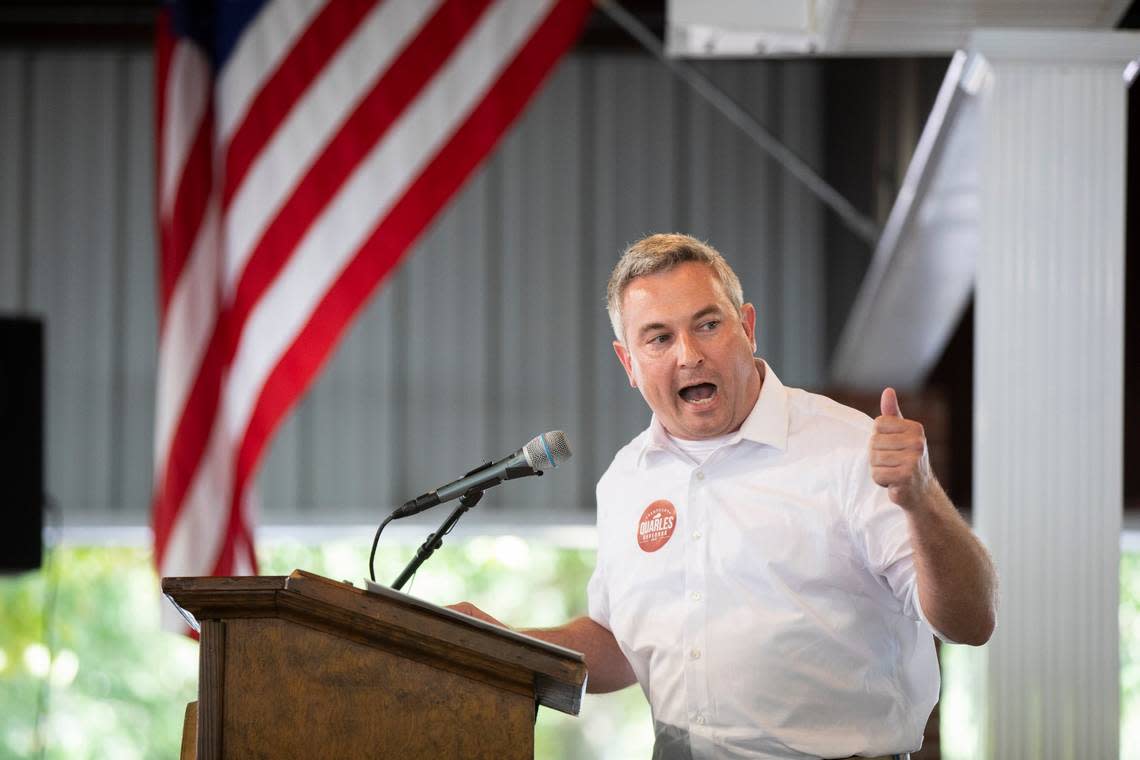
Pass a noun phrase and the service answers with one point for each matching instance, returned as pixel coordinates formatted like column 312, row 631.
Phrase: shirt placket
column 696, row 603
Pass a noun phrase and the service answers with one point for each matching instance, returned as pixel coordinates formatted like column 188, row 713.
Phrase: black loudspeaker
column 21, row 443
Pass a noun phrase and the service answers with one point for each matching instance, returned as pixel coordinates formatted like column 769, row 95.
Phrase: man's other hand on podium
column 467, row 608
column 609, row 669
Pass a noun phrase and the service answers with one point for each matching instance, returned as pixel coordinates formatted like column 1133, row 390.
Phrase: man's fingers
column 887, row 458
column 892, row 473
column 467, row 608
column 889, row 404
column 896, row 442
column 890, row 425
column 887, row 476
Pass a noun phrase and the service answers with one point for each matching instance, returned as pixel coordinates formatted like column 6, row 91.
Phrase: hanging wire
column 47, row 630
column 861, row 225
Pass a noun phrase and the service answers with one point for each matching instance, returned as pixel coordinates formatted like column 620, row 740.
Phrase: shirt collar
column 766, row 424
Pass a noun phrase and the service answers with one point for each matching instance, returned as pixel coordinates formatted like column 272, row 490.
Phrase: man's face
column 688, row 351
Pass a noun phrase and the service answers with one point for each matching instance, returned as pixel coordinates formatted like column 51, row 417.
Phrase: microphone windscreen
column 548, row 450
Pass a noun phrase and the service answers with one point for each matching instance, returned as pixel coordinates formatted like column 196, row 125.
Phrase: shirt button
column 696, row 534
column 695, row 653
column 696, row 595
column 700, row 475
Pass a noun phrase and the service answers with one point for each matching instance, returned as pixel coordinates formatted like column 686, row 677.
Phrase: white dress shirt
column 766, row 596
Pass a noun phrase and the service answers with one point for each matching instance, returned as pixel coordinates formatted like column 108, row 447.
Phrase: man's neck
column 761, row 370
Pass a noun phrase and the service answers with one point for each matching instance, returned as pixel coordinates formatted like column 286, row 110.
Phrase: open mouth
column 699, row 394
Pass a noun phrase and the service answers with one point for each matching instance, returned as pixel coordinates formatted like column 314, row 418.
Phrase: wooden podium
column 306, row 667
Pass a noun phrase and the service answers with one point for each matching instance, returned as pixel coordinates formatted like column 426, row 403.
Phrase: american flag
column 303, row 146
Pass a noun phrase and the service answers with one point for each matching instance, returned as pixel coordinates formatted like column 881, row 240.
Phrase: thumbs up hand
column 899, row 459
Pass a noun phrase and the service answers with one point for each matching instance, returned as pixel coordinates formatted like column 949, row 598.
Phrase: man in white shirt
column 771, row 564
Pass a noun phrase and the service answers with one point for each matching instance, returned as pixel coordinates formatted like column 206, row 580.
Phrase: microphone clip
column 435, row 540
column 480, row 468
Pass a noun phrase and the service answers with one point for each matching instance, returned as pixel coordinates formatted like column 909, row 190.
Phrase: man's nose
column 688, row 351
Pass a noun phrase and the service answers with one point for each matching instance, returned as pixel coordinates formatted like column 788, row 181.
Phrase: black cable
column 433, row 542
column 375, row 541
column 51, row 593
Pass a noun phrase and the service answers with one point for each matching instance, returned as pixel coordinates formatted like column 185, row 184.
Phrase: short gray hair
column 660, row 253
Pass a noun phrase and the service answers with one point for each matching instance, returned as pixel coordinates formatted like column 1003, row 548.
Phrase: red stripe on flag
column 317, row 45
column 393, row 237
column 369, row 121
column 245, row 535
column 238, row 540
column 181, row 231
column 191, row 436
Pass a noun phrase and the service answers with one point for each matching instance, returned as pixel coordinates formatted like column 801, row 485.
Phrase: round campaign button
column 656, row 525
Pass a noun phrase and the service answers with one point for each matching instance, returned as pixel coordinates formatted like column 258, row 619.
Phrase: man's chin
column 693, row 425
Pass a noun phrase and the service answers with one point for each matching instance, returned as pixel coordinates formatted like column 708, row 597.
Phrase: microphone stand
column 435, row 540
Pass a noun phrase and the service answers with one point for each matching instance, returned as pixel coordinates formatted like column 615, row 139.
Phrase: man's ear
column 748, row 319
column 626, row 361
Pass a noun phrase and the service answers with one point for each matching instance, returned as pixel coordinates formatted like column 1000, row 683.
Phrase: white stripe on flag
column 313, row 121
column 259, row 51
column 368, row 195
column 187, row 94
column 199, row 530
column 189, row 324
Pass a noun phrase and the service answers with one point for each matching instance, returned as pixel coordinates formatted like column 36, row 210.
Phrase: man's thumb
column 889, row 404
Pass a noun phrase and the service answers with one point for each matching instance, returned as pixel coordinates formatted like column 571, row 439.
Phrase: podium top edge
column 229, row 583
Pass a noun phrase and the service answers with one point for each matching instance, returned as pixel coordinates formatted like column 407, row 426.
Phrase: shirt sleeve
column 880, row 530
column 597, row 596
column 597, row 590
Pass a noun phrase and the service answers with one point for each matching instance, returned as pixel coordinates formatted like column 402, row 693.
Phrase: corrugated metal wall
column 77, row 247
column 494, row 328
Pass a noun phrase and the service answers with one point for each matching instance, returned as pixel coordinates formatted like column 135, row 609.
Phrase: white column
column 1049, row 384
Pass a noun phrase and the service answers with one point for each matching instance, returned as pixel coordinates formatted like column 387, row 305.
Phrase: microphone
column 543, row 451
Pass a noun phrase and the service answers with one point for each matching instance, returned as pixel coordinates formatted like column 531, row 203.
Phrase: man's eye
column 712, row 324
column 657, row 340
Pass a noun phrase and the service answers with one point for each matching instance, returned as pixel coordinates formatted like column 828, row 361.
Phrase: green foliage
column 111, row 684
column 1130, row 656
